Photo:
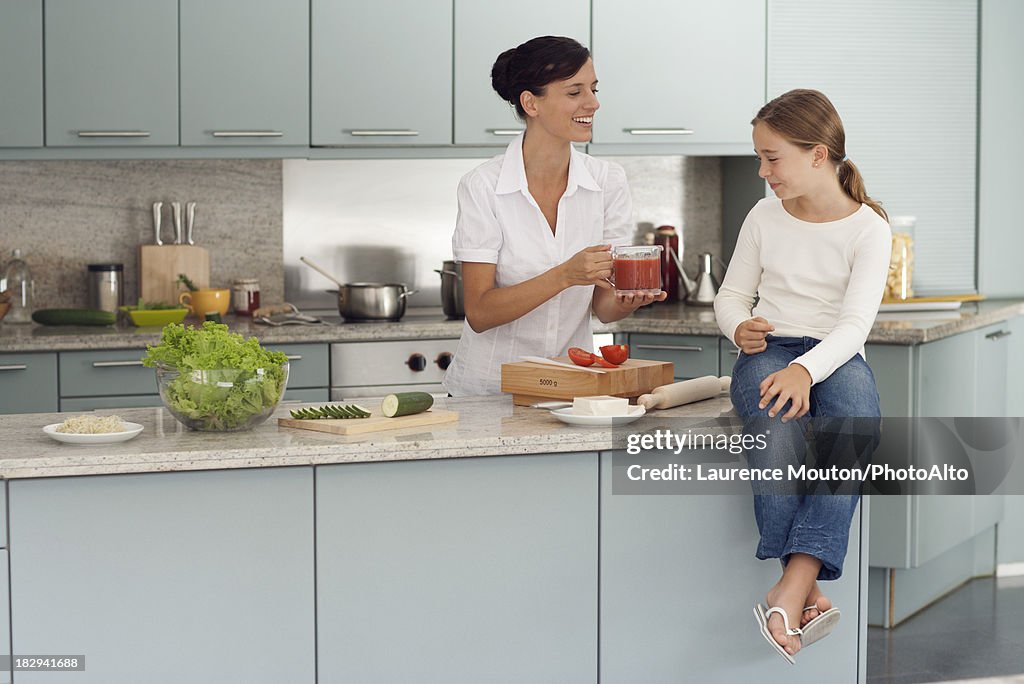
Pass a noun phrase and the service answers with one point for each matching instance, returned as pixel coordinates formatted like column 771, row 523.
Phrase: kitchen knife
column 552, row 362
column 190, row 217
column 157, row 210
column 176, row 212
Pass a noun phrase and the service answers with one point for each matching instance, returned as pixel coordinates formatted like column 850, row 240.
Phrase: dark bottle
column 668, row 239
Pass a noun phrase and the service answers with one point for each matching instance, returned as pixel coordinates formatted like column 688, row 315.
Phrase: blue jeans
column 817, row 524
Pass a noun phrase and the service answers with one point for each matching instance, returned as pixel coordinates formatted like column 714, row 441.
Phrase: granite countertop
column 673, row 319
column 487, row 426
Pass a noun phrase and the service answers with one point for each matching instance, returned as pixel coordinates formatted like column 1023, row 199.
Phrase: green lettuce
column 217, row 380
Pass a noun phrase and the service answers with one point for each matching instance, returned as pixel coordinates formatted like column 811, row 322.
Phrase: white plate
column 567, row 416
column 99, row 438
column 918, row 306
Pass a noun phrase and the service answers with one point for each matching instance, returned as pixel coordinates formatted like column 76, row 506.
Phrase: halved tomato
column 605, row 363
column 581, row 357
column 616, row 353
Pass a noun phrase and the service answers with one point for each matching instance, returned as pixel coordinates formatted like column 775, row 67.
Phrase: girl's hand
column 589, row 266
column 749, row 336
column 628, row 303
column 793, row 384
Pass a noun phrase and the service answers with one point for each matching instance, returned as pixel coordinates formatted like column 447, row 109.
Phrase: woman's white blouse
column 500, row 223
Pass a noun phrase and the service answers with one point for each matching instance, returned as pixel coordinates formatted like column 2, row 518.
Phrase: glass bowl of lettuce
column 213, row 380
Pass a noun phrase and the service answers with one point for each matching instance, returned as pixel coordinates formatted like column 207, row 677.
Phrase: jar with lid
column 898, row 284
column 105, row 287
column 245, row 296
column 18, row 281
column 667, row 237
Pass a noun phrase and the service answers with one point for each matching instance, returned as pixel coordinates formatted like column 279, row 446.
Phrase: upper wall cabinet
column 382, row 72
column 904, row 77
column 21, row 73
column 111, row 72
column 678, row 72
column 244, row 72
column 483, row 30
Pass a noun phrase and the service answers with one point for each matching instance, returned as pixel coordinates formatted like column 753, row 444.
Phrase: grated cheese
column 91, row 425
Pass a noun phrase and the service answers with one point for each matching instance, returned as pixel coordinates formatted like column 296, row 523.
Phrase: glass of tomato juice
column 637, row 269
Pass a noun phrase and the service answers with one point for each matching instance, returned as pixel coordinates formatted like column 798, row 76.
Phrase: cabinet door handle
column 247, row 134
column 504, row 131
column 659, row 131
column 362, row 133
column 294, row 357
column 734, row 352
column 14, row 366
column 113, row 134
column 998, row 334
column 670, row 347
column 115, row 364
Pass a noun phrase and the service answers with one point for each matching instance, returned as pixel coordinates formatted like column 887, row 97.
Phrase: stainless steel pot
column 372, row 301
column 451, row 289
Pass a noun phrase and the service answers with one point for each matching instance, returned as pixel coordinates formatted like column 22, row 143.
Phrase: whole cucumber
column 73, row 317
column 406, row 404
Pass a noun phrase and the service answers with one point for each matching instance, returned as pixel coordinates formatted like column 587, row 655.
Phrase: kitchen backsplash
column 64, row 215
column 390, row 220
column 379, row 220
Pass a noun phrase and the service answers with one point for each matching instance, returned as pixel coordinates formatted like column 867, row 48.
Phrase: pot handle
column 407, row 293
column 451, row 273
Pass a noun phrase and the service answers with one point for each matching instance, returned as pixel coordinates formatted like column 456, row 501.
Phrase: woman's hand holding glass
column 589, row 266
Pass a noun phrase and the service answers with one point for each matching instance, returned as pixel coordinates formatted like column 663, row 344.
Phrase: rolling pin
column 685, row 392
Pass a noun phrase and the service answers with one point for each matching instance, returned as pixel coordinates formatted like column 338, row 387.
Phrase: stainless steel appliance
column 451, row 289
column 370, row 369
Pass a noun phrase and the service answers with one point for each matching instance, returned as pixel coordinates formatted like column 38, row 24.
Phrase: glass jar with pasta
column 898, row 284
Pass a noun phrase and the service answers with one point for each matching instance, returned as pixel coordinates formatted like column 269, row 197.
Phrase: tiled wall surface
column 254, row 216
column 64, row 215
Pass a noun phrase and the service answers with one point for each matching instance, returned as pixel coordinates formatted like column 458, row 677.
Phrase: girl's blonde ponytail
column 853, row 184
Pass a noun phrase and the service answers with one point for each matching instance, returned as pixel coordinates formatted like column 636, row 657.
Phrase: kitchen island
column 491, row 549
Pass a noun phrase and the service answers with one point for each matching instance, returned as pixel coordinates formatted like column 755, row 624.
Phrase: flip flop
column 820, row 627
column 762, row 615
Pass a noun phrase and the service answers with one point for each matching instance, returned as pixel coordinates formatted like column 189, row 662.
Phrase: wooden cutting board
column 375, row 423
column 159, row 266
column 529, row 383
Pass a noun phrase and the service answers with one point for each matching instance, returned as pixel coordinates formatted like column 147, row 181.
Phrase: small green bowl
column 149, row 317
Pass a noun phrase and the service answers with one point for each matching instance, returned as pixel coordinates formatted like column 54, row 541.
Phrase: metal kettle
column 702, row 291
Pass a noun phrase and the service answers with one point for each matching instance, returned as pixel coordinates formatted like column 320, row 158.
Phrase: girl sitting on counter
column 536, row 224
column 817, row 256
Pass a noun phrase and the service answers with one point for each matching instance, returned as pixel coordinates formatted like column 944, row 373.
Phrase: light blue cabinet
column 692, row 356
column 923, row 87
column 381, row 72
column 727, row 355
column 458, row 571
column 662, row 62
column 21, row 73
column 1000, row 111
column 28, row 383
column 111, row 72
column 308, row 376
column 244, row 72
column 483, row 30
column 5, row 614
column 652, row 622
column 166, row 578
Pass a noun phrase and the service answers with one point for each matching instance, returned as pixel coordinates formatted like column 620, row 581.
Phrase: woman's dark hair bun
column 499, row 73
column 533, row 65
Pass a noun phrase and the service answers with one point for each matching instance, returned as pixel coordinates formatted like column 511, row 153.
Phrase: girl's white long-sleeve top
column 820, row 280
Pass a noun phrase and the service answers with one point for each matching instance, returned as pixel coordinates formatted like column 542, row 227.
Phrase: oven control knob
column 443, row 360
column 417, row 362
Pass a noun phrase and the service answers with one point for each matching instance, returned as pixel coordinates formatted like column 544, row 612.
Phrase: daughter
column 816, row 257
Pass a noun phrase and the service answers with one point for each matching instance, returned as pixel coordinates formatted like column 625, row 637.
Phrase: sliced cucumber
column 330, row 411
column 406, row 404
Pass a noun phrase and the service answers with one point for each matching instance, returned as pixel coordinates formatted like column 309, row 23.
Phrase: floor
column 975, row 632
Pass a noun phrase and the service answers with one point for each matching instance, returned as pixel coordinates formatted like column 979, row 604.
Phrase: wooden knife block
column 159, row 266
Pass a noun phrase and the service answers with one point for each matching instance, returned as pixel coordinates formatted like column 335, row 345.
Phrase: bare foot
column 789, row 599
column 820, row 602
